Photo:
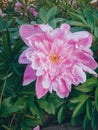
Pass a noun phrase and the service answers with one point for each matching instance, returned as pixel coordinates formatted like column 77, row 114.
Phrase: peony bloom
column 56, row 59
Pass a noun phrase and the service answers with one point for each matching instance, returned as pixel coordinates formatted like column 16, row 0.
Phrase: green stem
column 2, row 91
column 4, row 85
column 6, row 127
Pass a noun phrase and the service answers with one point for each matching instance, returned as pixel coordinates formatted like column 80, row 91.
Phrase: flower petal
column 89, row 70
column 23, row 58
column 46, row 82
column 27, row 30
column 78, row 75
column 46, row 28
column 65, row 28
column 82, row 39
column 40, row 91
column 62, row 88
column 37, row 128
column 87, row 60
column 29, row 75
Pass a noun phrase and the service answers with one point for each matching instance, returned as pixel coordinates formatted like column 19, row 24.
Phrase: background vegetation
column 19, row 107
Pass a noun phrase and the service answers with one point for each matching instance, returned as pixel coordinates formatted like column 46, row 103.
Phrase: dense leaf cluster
column 19, row 107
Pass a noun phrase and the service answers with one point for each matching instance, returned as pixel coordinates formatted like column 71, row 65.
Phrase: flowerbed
column 48, row 64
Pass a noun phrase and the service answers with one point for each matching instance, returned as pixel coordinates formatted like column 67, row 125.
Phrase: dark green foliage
column 20, row 109
column 85, row 104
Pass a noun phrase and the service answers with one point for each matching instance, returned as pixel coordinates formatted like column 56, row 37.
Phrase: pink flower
column 19, row 7
column 18, row 4
column 33, row 11
column 56, row 59
column 37, row 128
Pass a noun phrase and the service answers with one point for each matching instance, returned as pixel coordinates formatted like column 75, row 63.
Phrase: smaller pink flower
column 18, row 4
column 37, row 128
column 33, row 11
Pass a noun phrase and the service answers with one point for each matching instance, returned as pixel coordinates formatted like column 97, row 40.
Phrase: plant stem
column 14, row 115
column 2, row 91
column 6, row 127
column 4, row 85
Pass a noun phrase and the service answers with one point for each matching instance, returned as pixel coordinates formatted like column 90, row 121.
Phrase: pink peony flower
column 33, row 11
column 56, row 59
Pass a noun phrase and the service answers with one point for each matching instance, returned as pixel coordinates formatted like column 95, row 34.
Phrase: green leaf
column 2, row 25
column 7, row 107
column 48, row 2
column 52, row 23
column 72, row 106
column 51, row 13
column 8, row 24
column 6, row 43
column 89, row 109
column 94, row 121
column 61, row 114
column 88, row 85
column 31, row 122
column 86, row 123
column 51, row 108
column 44, row 105
column 20, row 22
column 78, row 17
column 94, row 47
column 43, row 15
column 78, row 99
column 21, row 101
column 33, row 108
column 96, row 98
column 96, row 20
column 47, row 106
column 25, row 128
column 76, row 23
column 80, row 107
column 96, row 32
column 89, row 18
column 17, row 46
column 59, row 20
column 55, row 100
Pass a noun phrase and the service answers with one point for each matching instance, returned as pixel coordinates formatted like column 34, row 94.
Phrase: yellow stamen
column 54, row 58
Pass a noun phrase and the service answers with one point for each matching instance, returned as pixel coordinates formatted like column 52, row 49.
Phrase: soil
column 63, row 127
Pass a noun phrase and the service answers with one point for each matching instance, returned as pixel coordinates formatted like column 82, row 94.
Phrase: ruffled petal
column 46, row 82
column 29, row 75
column 87, row 60
column 82, row 39
column 23, row 57
column 39, row 42
column 62, row 88
column 89, row 70
column 79, row 75
column 46, row 28
column 40, row 91
column 28, row 30
column 65, row 28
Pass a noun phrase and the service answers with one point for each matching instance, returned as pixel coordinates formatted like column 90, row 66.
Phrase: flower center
column 54, row 58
